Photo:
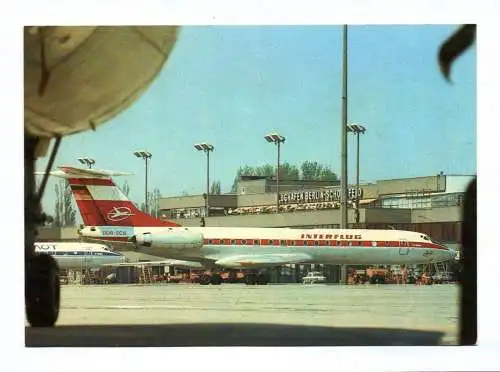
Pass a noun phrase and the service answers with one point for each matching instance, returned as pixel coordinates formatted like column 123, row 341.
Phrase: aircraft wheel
column 250, row 279
column 216, row 279
column 262, row 279
column 205, row 280
column 42, row 291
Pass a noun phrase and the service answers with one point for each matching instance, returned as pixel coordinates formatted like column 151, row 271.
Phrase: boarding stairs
column 145, row 275
column 88, row 277
column 437, row 268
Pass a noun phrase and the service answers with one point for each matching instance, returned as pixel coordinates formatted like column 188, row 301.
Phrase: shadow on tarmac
column 224, row 334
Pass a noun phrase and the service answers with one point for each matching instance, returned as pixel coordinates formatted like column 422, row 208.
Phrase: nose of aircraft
column 452, row 253
column 448, row 253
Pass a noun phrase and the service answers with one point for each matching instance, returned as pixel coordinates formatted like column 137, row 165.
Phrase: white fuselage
column 322, row 246
column 77, row 255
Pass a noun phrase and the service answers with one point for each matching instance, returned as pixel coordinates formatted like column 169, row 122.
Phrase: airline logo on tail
column 119, row 214
column 102, row 203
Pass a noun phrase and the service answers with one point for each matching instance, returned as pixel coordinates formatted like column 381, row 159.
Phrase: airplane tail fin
column 101, row 202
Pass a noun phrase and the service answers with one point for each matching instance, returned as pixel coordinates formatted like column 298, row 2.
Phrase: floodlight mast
column 357, row 130
column 146, row 156
column 277, row 139
column 343, row 142
column 207, row 148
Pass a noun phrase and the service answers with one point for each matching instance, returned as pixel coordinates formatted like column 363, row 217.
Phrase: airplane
column 110, row 216
column 78, row 255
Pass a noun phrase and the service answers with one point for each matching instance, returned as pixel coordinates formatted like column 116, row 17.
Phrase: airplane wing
column 179, row 263
column 117, row 245
column 263, row 260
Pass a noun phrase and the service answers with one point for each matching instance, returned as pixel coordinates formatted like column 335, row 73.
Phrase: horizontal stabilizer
column 74, row 172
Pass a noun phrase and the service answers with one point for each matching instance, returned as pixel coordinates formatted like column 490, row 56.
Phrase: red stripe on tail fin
column 88, row 210
column 91, row 181
column 102, row 203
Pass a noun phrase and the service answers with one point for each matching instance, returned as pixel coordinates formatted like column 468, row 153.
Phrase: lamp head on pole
column 143, row 154
column 356, row 128
column 274, row 138
column 86, row 161
column 206, row 147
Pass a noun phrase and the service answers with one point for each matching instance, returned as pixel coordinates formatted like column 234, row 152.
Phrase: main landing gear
column 42, row 285
column 257, row 277
column 214, row 279
column 252, row 277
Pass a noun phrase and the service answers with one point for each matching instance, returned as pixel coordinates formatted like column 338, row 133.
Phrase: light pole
column 146, row 156
column 87, row 161
column 343, row 143
column 207, row 148
column 277, row 139
column 357, row 130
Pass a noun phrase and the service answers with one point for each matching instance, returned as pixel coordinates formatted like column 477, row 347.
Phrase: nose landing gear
column 42, row 286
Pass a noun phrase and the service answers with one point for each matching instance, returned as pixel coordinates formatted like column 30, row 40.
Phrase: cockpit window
column 425, row 237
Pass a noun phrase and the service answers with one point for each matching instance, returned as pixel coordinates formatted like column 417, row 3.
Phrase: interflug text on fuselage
column 331, row 236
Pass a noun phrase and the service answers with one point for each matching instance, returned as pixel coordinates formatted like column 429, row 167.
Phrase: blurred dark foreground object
column 79, row 77
column 224, row 334
column 450, row 50
column 468, row 275
column 454, row 47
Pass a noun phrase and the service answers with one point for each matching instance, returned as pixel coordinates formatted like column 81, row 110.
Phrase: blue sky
column 230, row 86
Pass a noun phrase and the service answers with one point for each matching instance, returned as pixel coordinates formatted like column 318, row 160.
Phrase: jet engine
column 179, row 239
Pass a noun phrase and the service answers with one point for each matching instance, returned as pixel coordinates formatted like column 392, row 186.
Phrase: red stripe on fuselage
column 311, row 243
column 111, row 238
column 91, row 181
column 321, row 243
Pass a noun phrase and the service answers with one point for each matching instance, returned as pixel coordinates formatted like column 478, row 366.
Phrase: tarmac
column 240, row 315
